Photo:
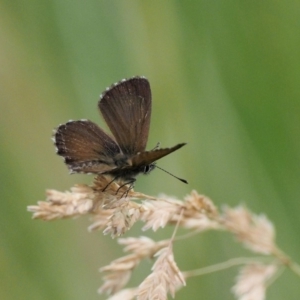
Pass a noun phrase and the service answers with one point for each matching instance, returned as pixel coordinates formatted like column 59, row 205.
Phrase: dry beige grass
column 115, row 214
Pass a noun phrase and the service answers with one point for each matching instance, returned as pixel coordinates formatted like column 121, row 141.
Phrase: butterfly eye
column 148, row 168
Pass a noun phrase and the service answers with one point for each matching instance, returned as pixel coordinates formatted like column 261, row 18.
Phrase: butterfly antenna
column 182, row 180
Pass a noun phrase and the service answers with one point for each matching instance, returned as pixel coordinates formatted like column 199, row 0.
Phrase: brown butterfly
column 126, row 108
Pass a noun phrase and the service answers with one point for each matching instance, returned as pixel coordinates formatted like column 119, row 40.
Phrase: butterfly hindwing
column 85, row 147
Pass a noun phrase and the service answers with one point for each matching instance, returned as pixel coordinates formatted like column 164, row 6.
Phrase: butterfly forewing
column 85, row 147
column 148, row 157
column 126, row 108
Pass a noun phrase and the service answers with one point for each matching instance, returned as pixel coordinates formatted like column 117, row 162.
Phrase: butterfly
column 126, row 108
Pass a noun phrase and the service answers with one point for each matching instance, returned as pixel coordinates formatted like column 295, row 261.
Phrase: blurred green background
column 225, row 78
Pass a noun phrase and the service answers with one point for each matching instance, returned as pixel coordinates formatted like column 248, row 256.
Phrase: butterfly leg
column 131, row 185
column 156, row 147
column 109, row 184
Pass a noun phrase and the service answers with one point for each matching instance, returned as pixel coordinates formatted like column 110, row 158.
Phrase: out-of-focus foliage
column 225, row 78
